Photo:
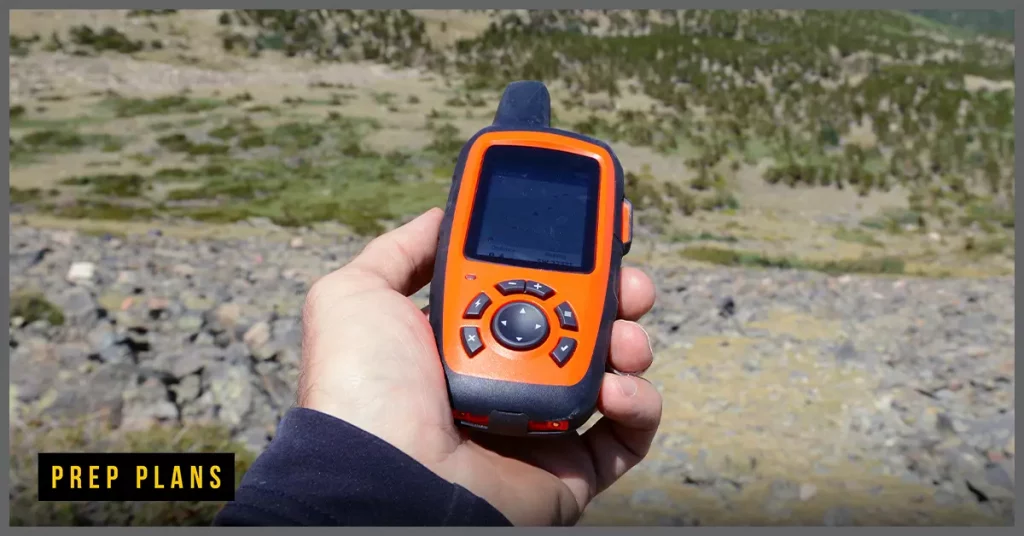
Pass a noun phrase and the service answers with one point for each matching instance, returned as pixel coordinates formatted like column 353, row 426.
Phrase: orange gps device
column 526, row 279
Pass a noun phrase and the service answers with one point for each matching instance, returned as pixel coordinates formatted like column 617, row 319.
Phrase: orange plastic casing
column 504, row 389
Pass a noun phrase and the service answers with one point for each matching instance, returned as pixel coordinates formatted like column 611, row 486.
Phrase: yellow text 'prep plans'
column 136, row 476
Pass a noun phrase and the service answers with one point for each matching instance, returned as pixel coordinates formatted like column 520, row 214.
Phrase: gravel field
column 790, row 397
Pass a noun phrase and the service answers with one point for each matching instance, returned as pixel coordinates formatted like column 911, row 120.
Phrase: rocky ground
column 790, row 397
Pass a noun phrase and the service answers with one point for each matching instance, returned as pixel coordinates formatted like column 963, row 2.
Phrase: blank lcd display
column 535, row 208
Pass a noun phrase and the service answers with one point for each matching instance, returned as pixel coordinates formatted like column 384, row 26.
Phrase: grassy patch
column 703, row 236
column 109, row 38
column 21, row 196
column 295, row 136
column 92, row 209
column 360, row 191
column 989, row 216
column 26, row 441
column 131, row 185
column 857, row 236
column 22, row 45
column 170, row 104
column 56, row 141
column 895, row 221
column 180, row 143
column 150, row 12
column 982, row 247
column 321, row 172
column 252, row 141
column 223, row 133
column 32, row 306
column 328, row 176
column 730, row 257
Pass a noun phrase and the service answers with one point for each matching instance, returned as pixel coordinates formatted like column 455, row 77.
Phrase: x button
column 471, row 341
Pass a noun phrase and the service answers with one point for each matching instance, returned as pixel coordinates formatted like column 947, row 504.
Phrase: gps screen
column 535, row 208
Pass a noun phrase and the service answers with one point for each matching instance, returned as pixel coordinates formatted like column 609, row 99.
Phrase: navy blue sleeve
column 322, row 471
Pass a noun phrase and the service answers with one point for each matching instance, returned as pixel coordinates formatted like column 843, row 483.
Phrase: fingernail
column 627, row 385
column 650, row 345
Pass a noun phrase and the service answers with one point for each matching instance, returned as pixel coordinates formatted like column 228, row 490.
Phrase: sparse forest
column 854, row 100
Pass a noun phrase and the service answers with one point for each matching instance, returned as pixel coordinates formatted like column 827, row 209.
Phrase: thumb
column 403, row 258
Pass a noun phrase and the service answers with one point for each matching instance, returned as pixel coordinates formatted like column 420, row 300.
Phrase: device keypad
column 521, row 325
column 514, row 286
column 471, row 340
column 539, row 290
column 477, row 307
column 563, row 350
column 566, row 316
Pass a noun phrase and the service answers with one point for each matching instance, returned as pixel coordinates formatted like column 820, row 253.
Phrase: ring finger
column 630, row 348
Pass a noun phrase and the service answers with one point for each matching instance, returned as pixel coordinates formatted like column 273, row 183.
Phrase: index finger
column 402, row 259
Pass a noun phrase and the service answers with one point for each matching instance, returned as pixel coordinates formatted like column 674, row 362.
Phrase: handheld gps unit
column 526, row 279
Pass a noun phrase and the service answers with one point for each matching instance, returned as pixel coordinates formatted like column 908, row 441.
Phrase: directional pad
column 520, row 326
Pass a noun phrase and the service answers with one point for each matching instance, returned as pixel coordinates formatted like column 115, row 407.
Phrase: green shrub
column 109, row 38
column 130, row 185
column 32, row 306
column 224, row 133
column 102, row 210
column 171, row 104
column 729, row 257
column 21, row 196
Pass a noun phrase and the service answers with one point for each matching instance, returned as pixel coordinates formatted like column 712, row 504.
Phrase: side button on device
column 515, row 286
column 563, row 351
column 477, row 307
column 566, row 316
column 627, row 225
column 471, row 341
column 539, row 290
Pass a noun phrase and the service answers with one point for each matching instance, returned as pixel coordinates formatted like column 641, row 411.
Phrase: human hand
column 369, row 358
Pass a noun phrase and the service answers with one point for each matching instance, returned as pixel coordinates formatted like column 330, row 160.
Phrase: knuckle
column 316, row 296
column 380, row 244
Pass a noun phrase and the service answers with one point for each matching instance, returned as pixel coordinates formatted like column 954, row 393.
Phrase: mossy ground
column 30, row 306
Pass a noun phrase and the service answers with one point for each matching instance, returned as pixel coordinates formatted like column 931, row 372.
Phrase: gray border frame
column 523, row 4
